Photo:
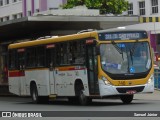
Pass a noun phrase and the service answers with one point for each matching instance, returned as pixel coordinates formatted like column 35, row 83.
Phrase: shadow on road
column 107, row 102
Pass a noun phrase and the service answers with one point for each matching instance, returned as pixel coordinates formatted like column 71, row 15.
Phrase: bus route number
column 121, row 83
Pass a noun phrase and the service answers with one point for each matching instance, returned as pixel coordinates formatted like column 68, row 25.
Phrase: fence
column 157, row 78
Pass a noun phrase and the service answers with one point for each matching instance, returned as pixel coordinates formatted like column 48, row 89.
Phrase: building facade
column 144, row 8
column 149, row 12
column 15, row 9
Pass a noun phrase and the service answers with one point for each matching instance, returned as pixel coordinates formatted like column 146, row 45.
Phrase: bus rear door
column 21, row 71
column 50, row 59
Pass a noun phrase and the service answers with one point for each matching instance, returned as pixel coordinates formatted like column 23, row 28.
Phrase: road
column 141, row 102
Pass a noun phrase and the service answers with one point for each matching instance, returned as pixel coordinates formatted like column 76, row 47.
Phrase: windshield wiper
column 117, row 48
column 134, row 47
column 131, row 51
column 131, row 56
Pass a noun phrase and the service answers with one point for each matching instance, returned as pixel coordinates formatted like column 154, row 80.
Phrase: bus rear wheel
column 35, row 97
column 126, row 99
column 34, row 93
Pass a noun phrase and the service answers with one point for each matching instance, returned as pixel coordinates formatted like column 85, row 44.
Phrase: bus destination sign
column 123, row 35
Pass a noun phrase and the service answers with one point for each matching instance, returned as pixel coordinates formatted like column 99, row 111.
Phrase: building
column 15, row 9
column 11, row 10
column 149, row 12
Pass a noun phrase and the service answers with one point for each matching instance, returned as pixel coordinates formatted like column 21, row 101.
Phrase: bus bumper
column 109, row 90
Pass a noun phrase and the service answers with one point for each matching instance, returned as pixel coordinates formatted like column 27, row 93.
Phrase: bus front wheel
column 84, row 100
column 126, row 99
column 79, row 91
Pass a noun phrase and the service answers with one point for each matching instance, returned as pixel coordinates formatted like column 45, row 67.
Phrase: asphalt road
column 141, row 102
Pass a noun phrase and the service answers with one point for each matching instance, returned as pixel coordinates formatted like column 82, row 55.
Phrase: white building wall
column 17, row 7
column 55, row 5
column 36, row 5
column 28, row 6
column 135, row 6
column 10, row 9
column 148, row 8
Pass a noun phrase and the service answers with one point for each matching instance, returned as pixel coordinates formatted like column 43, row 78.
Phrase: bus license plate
column 131, row 92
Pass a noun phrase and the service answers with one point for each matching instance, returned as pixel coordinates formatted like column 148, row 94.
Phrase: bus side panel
column 65, row 81
column 83, row 75
column 14, row 85
column 52, row 82
column 22, row 86
column 41, row 78
column 63, row 78
column 17, row 82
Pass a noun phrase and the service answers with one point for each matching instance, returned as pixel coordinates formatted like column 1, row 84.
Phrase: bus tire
column 84, row 100
column 34, row 93
column 126, row 99
column 35, row 97
column 79, row 92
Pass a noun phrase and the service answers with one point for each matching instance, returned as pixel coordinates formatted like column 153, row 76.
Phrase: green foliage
column 116, row 6
column 105, row 6
column 93, row 4
column 72, row 3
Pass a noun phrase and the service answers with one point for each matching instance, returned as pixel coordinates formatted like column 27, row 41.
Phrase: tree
column 105, row 6
column 72, row 3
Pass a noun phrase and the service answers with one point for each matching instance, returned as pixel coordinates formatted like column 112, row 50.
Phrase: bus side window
column 30, row 57
column 65, row 54
column 21, row 59
column 12, row 59
column 78, row 52
column 49, row 58
column 58, row 54
column 40, row 52
column 70, row 53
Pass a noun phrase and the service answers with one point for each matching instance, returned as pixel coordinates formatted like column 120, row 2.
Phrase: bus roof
column 64, row 38
column 52, row 40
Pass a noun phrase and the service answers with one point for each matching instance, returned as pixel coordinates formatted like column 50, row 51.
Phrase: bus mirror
column 97, row 50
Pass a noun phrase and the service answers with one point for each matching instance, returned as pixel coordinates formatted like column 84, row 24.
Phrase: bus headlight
column 151, row 79
column 105, row 80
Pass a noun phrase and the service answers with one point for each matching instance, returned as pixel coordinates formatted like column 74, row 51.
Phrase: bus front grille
column 124, row 90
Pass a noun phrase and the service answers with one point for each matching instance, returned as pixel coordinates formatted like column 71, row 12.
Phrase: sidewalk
column 149, row 96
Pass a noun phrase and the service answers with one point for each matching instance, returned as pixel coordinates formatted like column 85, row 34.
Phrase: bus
column 83, row 66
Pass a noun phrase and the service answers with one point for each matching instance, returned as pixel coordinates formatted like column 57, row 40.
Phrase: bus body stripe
column 16, row 73
column 70, row 68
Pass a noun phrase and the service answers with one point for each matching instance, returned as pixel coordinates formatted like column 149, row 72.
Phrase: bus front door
column 91, row 59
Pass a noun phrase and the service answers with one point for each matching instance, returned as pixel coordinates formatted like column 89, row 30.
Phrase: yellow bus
column 83, row 66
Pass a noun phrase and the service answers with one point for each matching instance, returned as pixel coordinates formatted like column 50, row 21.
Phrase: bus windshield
column 125, row 58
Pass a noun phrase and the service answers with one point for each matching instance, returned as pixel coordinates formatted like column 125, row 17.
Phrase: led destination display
column 125, row 35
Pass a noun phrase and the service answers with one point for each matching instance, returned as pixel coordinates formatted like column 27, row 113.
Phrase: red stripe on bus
column 76, row 68
column 70, row 68
column 16, row 74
